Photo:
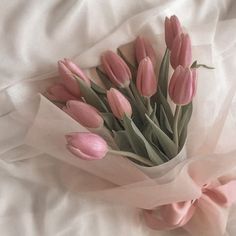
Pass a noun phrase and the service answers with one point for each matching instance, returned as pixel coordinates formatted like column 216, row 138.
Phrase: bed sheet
column 37, row 194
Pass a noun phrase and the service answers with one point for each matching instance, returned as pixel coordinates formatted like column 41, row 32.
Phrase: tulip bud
column 172, row 29
column 146, row 82
column 143, row 48
column 181, row 52
column 58, row 92
column 116, row 69
column 68, row 70
column 182, row 87
column 87, row 146
column 85, row 114
column 119, row 104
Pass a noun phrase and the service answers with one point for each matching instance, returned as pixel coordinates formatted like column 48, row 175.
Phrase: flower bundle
column 131, row 115
column 141, row 112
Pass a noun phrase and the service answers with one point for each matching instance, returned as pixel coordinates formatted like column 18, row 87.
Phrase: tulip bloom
column 84, row 113
column 87, row 146
column 172, row 29
column 181, row 52
column 68, row 70
column 143, row 48
column 119, row 104
column 182, row 87
column 116, row 69
column 146, row 82
column 58, row 92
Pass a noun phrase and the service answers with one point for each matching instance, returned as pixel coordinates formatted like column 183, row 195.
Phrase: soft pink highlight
column 118, row 103
column 116, row 69
column 87, row 146
column 146, row 80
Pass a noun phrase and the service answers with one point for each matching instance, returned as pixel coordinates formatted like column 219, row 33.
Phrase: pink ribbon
column 206, row 215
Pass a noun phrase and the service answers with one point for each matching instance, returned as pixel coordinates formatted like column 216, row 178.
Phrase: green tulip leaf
column 166, row 143
column 131, row 67
column 185, row 117
column 98, row 89
column 104, row 78
column 166, row 106
column 110, row 121
column 196, row 65
column 153, row 114
column 183, row 137
column 183, row 123
column 164, row 72
column 164, row 121
column 139, row 102
column 122, row 140
column 138, row 142
column 150, row 136
column 90, row 96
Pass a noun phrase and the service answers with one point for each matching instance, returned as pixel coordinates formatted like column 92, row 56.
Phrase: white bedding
column 37, row 194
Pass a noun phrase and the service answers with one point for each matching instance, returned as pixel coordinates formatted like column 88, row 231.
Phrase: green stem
column 149, row 106
column 175, row 125
column 164, row 73
column 205, row 66
column 196, row 65
column 56, row 102
column 132, row 156
column 129, row 92
column 137, row 102
column 150, row 110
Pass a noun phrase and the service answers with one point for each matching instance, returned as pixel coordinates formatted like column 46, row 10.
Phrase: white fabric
column 37, row 194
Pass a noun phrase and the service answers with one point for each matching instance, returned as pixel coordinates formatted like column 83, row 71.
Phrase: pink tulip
column 85, row 114
column 181, row 52
column 58, row 92
column 116, row 69
column 68, row 70
column 119, row 104
column 87, row 146
column 143, row 48
column 172, row 29
column 182, row 87
column 146, row 82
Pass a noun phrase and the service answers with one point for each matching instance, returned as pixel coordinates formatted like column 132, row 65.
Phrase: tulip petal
column 79, row 154
column 182, row 86
column 181, row 52
column 68, row 79
column 58, row 92
column 87, row 145
column 76, row 70
column 116, row 69
column 175, row 25
column 172, row 29
column 185, row 56
column 85, row 114
column 146, row 80
column 118, row 103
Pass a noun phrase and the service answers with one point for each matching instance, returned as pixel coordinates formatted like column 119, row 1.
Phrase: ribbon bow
column 204, row 216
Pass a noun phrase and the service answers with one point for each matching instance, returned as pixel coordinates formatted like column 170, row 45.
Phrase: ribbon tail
column 170, row 216
column 209, row 219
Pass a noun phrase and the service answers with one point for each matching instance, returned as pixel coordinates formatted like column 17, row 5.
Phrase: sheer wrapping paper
column 179, row 180
column 212, row 128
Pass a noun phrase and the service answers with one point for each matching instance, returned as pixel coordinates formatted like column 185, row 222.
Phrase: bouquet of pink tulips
column 131, row 121
column 131, row 113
